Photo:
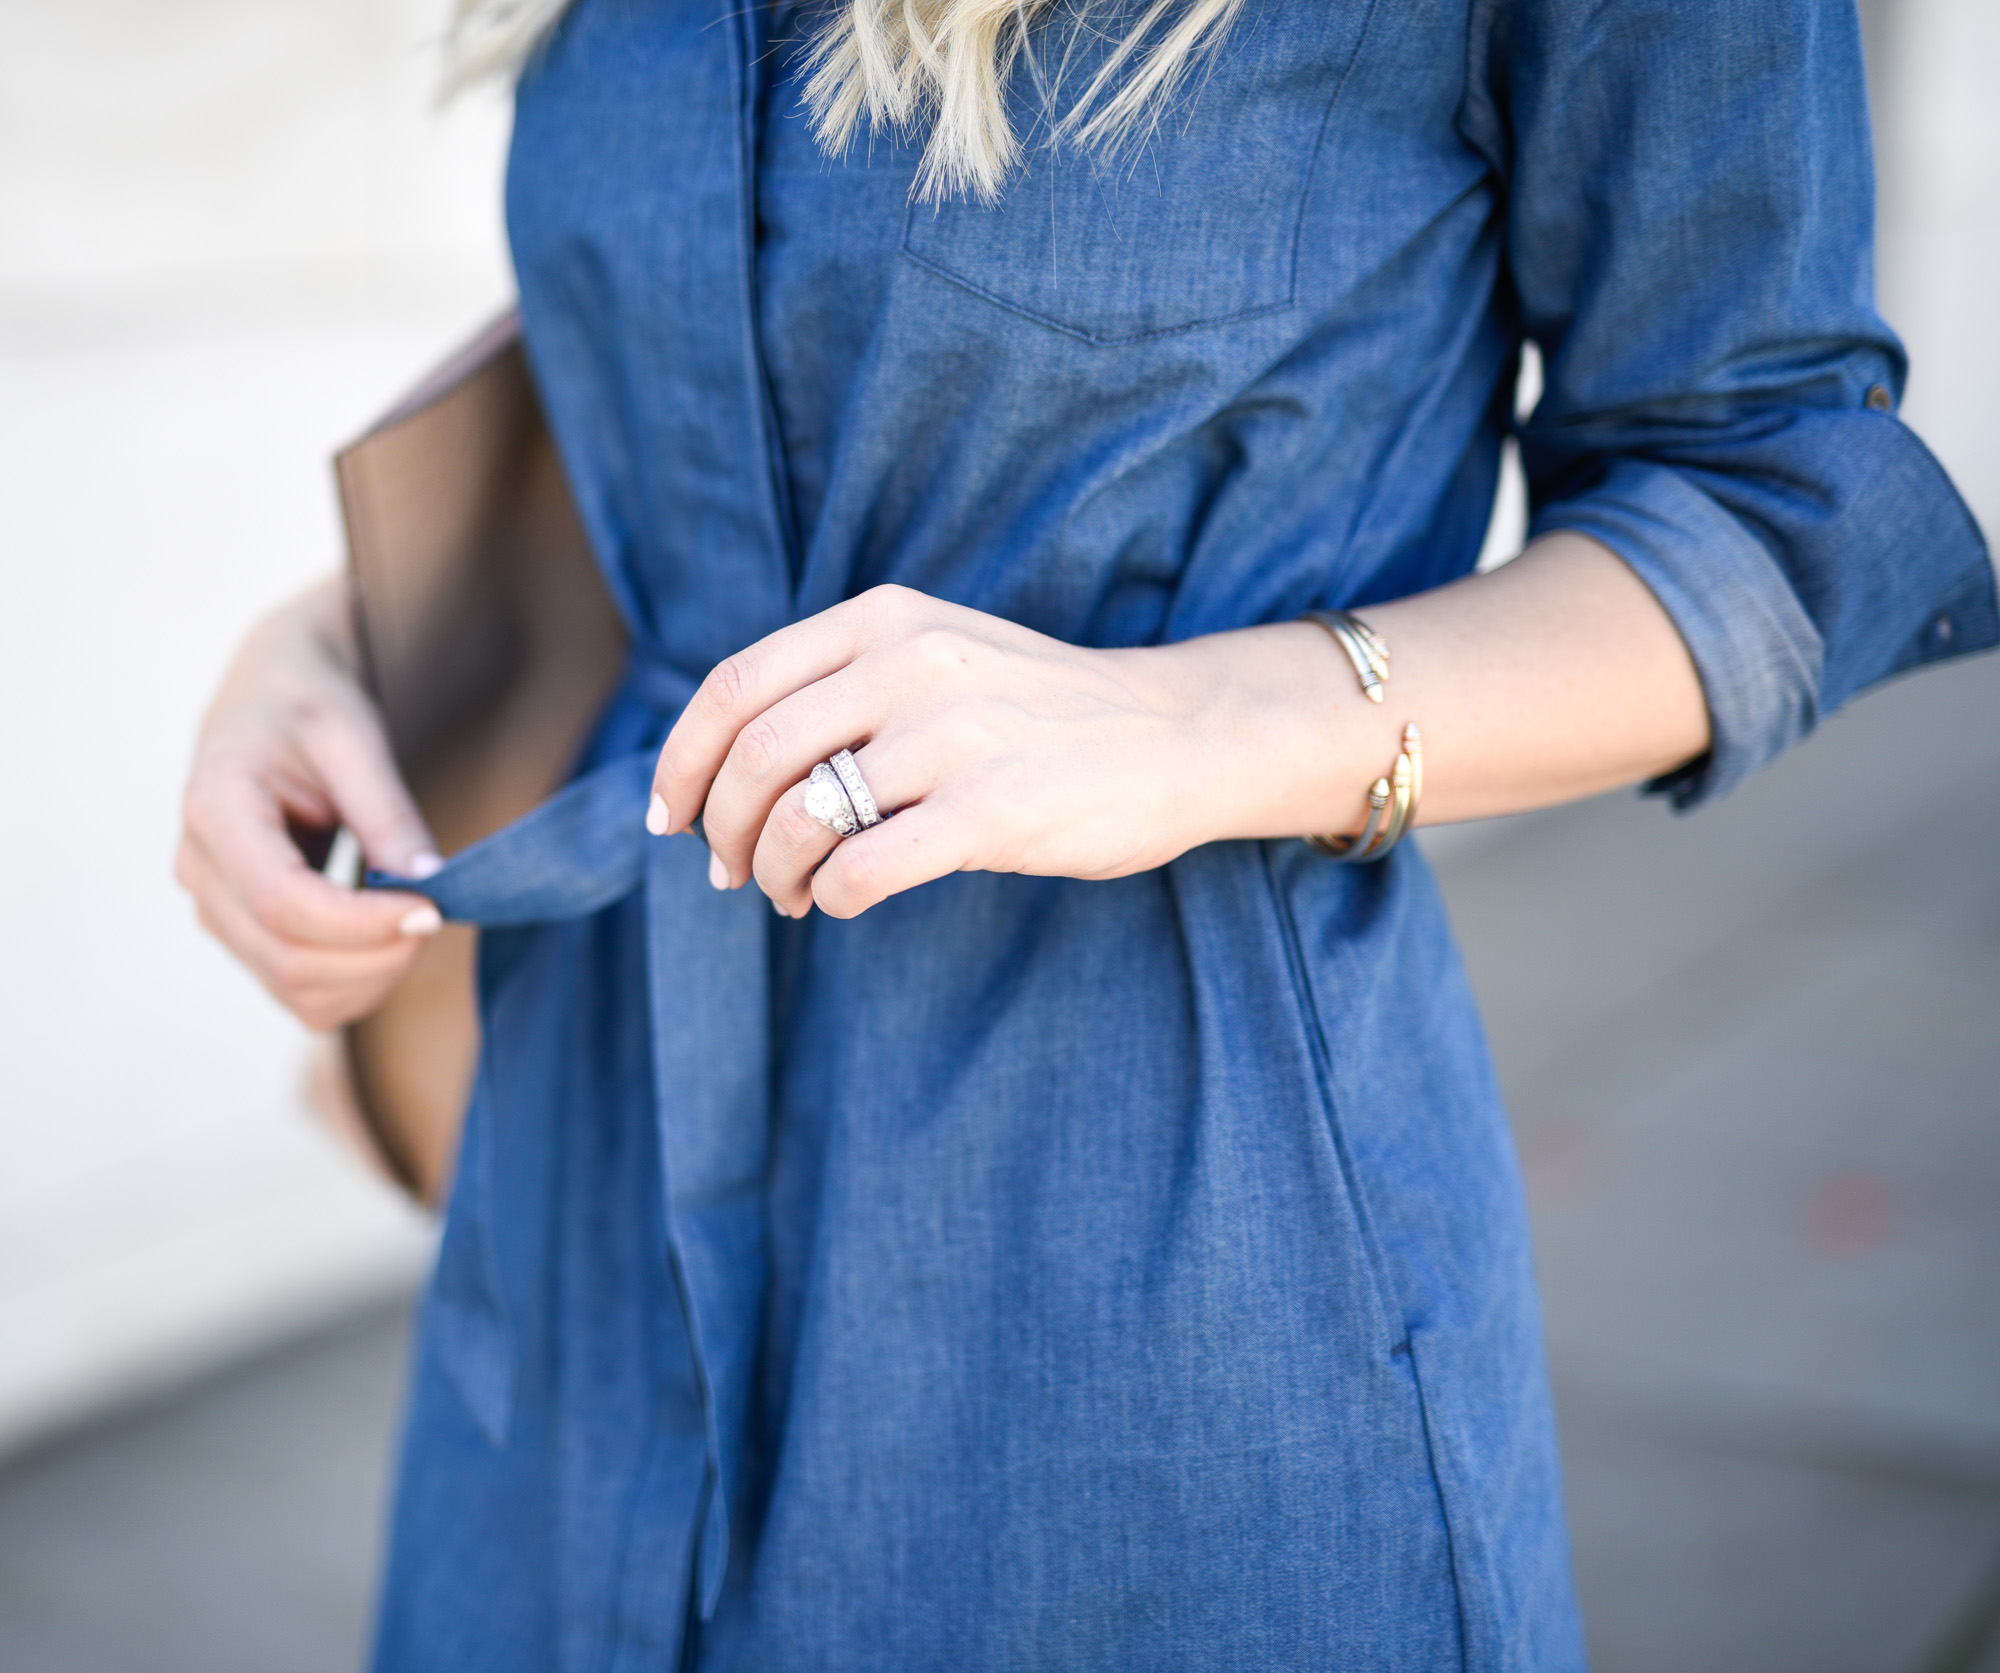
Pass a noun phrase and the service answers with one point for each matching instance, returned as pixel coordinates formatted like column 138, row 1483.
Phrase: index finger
column 245, row 839
column 740, row 688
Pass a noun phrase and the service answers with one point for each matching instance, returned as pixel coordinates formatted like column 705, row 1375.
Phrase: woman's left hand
column 1554, row 676
column 994, row 747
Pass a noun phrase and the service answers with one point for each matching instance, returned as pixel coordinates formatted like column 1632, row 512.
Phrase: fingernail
column 718, row 873
column 421, row 920
column 424, row 865
column 775, row 907
column 657, row 817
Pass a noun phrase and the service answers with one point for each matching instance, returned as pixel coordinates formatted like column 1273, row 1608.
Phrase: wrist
column 325, row 614
column 302, row 654
column 1276, row 738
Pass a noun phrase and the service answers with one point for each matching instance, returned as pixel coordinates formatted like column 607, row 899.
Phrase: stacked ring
column 837, row 797
column 849, row 774
column 827, row 803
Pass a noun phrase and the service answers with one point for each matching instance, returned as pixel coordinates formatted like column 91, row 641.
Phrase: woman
column 1091, row 1239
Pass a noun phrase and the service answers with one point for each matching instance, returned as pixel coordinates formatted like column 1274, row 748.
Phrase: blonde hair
column 905, row 64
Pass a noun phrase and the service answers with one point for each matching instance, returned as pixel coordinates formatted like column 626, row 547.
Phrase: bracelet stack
column 1392, row 799
column 1396, row 795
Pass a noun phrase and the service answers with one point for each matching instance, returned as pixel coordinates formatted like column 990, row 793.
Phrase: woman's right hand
column 293, row 739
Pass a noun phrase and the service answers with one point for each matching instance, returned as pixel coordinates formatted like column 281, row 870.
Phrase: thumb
column 350, row 754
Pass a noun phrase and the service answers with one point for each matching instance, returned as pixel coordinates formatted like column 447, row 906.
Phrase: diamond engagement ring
column 865, row 810
column 827, row 803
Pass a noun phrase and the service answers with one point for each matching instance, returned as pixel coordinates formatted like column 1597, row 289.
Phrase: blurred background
column 1753, row 1057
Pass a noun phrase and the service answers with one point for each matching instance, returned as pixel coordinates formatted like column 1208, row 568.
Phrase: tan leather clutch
column 491, row 643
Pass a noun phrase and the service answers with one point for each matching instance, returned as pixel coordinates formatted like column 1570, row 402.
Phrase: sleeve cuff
column 1803, row 555
column 1755, row 648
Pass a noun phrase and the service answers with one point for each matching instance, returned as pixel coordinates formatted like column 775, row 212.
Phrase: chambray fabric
column 1044, row 1274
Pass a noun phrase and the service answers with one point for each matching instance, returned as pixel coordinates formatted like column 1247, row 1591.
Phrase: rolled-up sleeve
column 1689, row 232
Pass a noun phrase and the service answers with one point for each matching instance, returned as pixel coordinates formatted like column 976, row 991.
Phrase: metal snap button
column 1879, row 398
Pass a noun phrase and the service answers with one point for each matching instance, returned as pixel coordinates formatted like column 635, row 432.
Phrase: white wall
column 1937, row 87
column 228, row 230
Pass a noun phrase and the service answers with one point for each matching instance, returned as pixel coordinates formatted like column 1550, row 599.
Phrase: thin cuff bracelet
column 1397, row 793
column 1365, row 648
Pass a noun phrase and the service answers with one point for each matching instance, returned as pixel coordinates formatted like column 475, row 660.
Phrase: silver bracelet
column 1365, row 648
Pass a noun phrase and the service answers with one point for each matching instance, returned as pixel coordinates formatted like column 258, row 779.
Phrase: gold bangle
column 1365, row 648
column 1344, row 847
column 1397, row 793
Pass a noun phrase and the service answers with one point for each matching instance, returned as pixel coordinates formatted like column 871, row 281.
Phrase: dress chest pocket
column 1196, row 224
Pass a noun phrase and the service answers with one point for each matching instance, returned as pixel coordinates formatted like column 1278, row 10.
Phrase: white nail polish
column 657, row 817
column 718, row 873
column 424, row 865
column 421, row 920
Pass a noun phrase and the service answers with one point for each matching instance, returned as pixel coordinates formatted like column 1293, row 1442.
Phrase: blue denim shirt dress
column 1043, row 1274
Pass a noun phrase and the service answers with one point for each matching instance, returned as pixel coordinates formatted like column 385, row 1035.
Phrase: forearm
column 298, row 647
column 1556, row 676
column 999, row 749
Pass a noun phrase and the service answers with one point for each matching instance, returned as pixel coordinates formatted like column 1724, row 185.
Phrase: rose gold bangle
column 1397, row 793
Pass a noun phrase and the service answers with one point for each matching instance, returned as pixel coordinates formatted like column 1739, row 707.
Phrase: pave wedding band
column 827, row 803
column 865, row 810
